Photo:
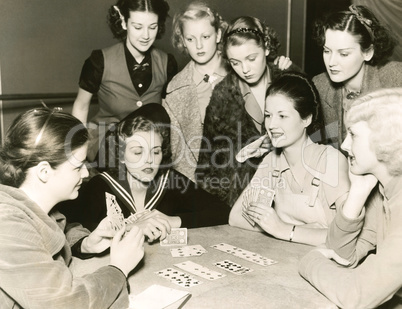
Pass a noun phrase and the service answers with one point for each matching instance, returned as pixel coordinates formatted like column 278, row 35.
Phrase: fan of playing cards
column 114, row 213
column 256, row 195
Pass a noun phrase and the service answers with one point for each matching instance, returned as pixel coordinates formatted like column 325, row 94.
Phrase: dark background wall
column 45, row 42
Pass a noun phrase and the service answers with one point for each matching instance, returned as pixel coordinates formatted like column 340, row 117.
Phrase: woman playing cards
column 366, row 239
column 297, row 188
column 147, row 192
column 41, row 164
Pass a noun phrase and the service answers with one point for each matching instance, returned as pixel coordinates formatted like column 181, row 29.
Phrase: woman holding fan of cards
column 309, row 181
column 148, row 192
column 41, row 164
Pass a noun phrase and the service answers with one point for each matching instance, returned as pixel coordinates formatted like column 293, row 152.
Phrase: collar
column 392, row 188
column 282, row 162
column 131, row 59
column 245, row 88
column 219, row 72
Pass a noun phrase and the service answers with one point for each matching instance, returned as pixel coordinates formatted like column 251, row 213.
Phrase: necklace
column 351, row 95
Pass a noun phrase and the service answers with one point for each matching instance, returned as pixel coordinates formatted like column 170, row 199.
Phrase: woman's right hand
column 127, row 250
column 153, row 226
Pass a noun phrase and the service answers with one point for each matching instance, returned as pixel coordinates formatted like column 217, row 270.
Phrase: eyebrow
column 342, row 49
column 139, row 24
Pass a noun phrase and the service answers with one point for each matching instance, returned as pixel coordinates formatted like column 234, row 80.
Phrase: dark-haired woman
column 310, row 180
column 234, row 116
column 128, row 74
column 356, row 51
column 149, row 193
column 42, row 163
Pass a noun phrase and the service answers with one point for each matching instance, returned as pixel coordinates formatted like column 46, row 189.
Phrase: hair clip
column 364, row 21
column 118, row 11
column 245, row 30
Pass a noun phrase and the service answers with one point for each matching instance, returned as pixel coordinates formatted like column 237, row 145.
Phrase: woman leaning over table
column 310, row 180
column 356, row 51
column 41, row 164
column 367, row 241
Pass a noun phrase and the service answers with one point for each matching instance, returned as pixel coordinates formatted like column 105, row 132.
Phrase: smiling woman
column 310, row 181
column 42, row 163
column 234, row 116
column 356, row 51
column 366, row 238
column 129, row 74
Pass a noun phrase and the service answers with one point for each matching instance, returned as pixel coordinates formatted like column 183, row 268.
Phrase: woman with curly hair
column 197, row 32
column 356, row 51
column 149, row 193
column 234, row 116
column 361, row 266
column 128, row 74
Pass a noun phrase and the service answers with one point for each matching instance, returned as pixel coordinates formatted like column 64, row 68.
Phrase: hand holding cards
column 256, row 195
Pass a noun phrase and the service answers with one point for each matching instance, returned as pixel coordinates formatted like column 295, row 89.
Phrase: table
column 275, row 286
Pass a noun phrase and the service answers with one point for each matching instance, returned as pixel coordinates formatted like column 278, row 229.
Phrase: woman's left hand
column 267, row 218
column 283, row 62
column 100, row 239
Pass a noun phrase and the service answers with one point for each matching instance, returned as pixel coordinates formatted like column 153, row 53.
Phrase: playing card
column 200, row 270
column 114, row 213
column 261, row 195
column 136, row 216
column 233, row 267
column 244, row 254
column 178, row 277
column 265, row 196
column 195, row 250
column 177, row 236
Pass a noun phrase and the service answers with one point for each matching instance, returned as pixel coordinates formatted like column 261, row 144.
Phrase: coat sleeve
column 371, row 283
column 33, row 278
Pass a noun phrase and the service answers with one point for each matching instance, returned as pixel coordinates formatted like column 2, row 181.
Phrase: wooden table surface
column 275, row 286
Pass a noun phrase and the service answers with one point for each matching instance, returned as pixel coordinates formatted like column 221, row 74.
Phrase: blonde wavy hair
column 382, row 110
column 195, row 11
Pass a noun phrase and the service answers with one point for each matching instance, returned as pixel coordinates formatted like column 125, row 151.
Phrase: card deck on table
column 178, row 277
column 195, row 250
column 261, row 195
column 244, row 254
column 177, row 236
column 114, row 213
column 200, row 270
column 233, row 267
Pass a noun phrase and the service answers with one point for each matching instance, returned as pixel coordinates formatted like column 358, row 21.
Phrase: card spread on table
column 233, row 267
column 244, row 254
column 177, row 236
column 200, row 270
column 114, row 213
column 158, row 297
column 261, row 195
column 195, row 250
column 178, row 277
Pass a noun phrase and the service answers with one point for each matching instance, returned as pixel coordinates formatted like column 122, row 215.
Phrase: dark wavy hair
column 150, row 117
column 264, row 36
column 38, row 135
column 301, row 90
column 381, row 38
column 159, row 7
